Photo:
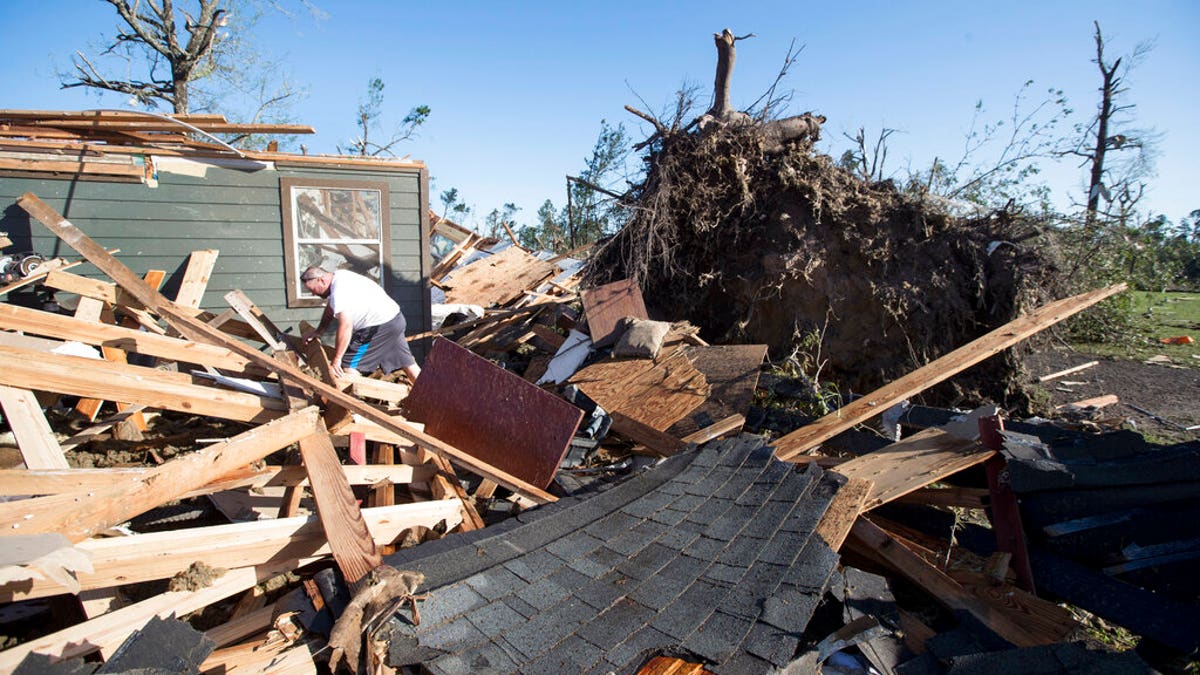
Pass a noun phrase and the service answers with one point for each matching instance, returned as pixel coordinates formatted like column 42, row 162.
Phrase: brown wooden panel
column 497, row 279
column 655, row 393
column 606, row 305
column 492, row 414
column 732, row 373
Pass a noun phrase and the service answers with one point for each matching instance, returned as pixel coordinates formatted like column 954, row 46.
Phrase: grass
column 1159, row 316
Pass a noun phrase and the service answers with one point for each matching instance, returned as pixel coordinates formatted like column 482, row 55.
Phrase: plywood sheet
column 497, row 279
column 606, row 305
column 732, row 373
column 657, row 393
column 492, row 414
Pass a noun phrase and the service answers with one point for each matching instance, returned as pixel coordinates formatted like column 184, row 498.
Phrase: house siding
column 234, row 211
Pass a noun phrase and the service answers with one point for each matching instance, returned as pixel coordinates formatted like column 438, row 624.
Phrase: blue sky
column 518, row 89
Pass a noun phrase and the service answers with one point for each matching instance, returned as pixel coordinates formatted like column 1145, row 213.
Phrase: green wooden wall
column 234, row 211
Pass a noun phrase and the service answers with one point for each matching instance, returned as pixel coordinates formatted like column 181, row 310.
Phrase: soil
column 1159, row 400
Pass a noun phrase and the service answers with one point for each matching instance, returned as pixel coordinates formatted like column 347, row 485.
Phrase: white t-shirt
column 364, row 300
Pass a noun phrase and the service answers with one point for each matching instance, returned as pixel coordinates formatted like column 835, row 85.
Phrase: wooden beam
column 659, row 442
column 810, row 436
column 1067, row 371
column 716, row 429
column 872, row 541
column 108, row 631
column 58, row 481
column 195, row 278
column 149, row 387
column 197, row 330
column 36, row 322
column 80, row 515
column 350, row 540
column 39, row 448
column 253, row 316
column 913, row 463
column 117, row 561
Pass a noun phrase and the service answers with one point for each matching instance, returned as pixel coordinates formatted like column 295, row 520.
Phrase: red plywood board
column 492, row 414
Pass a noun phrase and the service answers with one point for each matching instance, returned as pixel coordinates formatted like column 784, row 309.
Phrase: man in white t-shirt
column 370, row 325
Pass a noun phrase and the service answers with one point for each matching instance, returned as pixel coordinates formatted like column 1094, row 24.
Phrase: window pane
column 336, row 213
column 360, row 258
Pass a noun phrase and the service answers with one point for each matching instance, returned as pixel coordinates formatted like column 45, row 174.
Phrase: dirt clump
column 780, row 248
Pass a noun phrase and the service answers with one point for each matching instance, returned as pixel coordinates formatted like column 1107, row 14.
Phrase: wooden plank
column 656, row 393
column 716, row 430
column 868, row 539
column 1005, row 514
column 255, row 318
column 606, row 305
column 497, row 279
column 492, row 414
column 267, row 655
column 1040, row 616
column 79, row 515
column 809, row 436
column 1094, row 402
column 149, row 387
column 967, row 498
column 160, row 555
column 732, row 374
column 89, row 309
column 183, row 321
column 349, row 539
column 38, row 445
column 384, row 491
column 659, row 442
column 919, row 460
column 445, row 484
column 1067, row 371
column 110, row 630
column 37, row 322
column 58, row 481
column 195, row 278
column 843, row 510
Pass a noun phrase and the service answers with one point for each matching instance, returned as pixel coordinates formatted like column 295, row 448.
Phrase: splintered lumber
column 659, row 442
column 716, row 430
column 183, row 321
column 159, row 555
column 843, row 510
column 606, row 305
column 36, row 322
column 497, row 279
column 255, row 317
column 149, row 387
column 913, row 463
column 79, row 515
column 59, row 481
column 108, row 631
column 349, row 539
column 810, row 436
column 732, row 375
column 1095, row 402
column 491, row 413
column 870, row 540
column 39, row 448
column 195, row 278
column 657, row 393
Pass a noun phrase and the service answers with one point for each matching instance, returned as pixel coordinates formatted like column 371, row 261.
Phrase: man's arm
column 326, row 319
column 345, row 326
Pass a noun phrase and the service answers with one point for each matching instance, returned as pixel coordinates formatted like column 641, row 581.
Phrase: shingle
column 669, row 517
column 737, row 484
column 782, row 549
column 688, row 503
column 774, row 472
column 756, row 493
column 631, row 541
column 636, row 646
column 546, row 629
column 718, row 637
column 589, row 567
column 535, row 564
column 648, row 561
column 814, row 565
column 678, row 538
column 603, row 592
column 570, row 579
column 662, row 588
column 739, row 449
column 688, row 611
column 741, row 552
column 495, row 583
column 743, row 663
column 453, row 636
column 705, row 548
column 730, row 523
column 575, row 546
column 449, row 602
column 793, row 486
column 710, row 510
column 519, row 606
column 759, row 583
column 494, row 619
column 789, row 610
column 543, row 594
column 573, row 655
column 612, row 524
column 615, row 624
column 725, row 574
column 766, row 521
column 648, row 504
column 770, row 643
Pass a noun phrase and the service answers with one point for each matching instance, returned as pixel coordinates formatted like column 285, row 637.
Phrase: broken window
column 335, row 224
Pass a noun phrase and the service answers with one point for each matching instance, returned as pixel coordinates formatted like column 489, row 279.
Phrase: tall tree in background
column 1118, row 184
column 164, row 55
column 370, row 112
column 498, row 218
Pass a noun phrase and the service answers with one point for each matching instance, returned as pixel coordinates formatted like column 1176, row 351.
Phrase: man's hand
column 336, row 369
column 312, row 335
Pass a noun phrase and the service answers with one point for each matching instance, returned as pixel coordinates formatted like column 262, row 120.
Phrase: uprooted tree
column 742, row 228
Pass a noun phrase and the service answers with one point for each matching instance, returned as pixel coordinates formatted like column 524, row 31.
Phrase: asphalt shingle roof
column 709, row 554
